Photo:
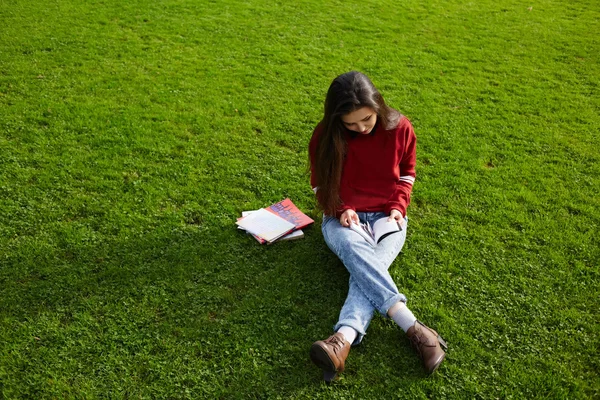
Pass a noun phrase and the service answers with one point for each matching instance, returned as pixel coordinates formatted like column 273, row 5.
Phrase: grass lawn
column 133, row 133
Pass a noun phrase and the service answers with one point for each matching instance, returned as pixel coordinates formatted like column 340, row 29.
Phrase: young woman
column 363, row 156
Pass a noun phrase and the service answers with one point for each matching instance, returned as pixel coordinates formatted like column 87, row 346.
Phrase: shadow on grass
column 210, row 313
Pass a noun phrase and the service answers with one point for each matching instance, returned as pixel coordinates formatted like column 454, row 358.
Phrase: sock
column 349, row 333
column 404, row 318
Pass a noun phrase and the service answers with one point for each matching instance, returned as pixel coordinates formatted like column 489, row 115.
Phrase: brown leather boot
column 427, row 343
column 330, row 355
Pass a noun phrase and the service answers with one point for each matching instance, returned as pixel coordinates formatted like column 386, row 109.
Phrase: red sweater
column 379, row 169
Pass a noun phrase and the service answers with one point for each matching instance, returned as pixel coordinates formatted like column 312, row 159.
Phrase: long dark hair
column 348, row 92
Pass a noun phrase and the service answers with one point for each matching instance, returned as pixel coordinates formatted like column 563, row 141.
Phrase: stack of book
column 280, row 221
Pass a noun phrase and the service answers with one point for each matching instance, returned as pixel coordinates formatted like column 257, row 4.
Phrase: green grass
column 132, row 134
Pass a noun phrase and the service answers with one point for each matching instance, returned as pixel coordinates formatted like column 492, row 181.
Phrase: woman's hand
column 348, row 217
column 396, row 215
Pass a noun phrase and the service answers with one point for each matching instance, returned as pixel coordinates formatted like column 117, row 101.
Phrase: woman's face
column 362, row 120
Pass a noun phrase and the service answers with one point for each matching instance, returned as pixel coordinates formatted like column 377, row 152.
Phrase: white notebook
column 266, row 225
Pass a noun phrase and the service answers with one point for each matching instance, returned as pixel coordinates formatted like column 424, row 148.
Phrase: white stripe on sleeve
column 407, row 178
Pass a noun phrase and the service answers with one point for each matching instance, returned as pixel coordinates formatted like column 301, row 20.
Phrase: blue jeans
column 371, row 287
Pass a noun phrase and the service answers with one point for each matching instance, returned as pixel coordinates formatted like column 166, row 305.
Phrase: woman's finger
column 345, row 220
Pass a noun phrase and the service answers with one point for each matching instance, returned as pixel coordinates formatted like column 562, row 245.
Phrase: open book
column 380, row 229
column 297, row 234
column 265, row 225
column 280, row 221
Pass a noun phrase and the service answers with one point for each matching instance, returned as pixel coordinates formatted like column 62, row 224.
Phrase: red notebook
column 288, row 211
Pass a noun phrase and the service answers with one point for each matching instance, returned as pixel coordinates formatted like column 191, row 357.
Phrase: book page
column 363, row 230
column 382, row 228
column 297, row 234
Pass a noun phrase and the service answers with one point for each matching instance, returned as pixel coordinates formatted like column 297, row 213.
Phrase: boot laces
column 336, row 342
column 416, row 341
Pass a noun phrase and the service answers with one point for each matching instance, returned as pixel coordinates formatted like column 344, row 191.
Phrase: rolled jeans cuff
column 388, row 304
